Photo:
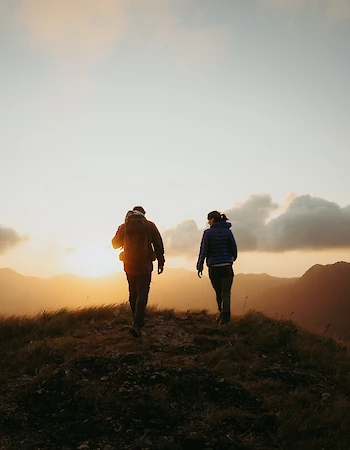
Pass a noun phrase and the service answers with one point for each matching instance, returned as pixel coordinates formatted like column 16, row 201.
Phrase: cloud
column 74, row 31
column 259, row 224
column 183, row 239
column 9, row 239
column 309, row 223
column 249, row 219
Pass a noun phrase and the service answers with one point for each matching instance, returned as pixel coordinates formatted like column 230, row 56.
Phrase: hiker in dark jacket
column 219, row 248
column 142, row 244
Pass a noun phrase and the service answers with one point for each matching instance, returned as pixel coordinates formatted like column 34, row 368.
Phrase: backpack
column 136, row 240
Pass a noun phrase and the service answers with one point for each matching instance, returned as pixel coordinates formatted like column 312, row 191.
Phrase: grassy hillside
column 78, row 380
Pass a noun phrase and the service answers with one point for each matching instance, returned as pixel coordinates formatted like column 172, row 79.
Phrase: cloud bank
column 9, row 239
column 259, row 224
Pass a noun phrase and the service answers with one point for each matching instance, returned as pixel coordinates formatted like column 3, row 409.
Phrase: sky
column 183, row 107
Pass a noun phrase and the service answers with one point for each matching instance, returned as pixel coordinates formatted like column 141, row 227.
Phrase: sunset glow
column 93, row 260
column 183, row 108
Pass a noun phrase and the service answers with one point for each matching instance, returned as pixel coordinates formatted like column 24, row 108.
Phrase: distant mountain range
column 175, row 288
column 319, row 299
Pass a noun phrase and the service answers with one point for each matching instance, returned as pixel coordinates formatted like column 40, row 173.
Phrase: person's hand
column 200, row 273
column 160, row 269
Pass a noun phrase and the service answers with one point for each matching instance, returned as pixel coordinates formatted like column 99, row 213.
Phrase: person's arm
column 118, row 240
column 203, row 252
column 158, row 246
column 233, row 246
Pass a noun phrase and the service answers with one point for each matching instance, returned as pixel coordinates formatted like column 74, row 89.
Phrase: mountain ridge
column 318, row 299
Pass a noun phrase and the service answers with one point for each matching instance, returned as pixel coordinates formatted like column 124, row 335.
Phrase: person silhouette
column 219, row 249
column 142, row 244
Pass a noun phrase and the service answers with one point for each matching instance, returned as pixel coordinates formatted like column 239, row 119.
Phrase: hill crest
column 318, row 270
column 78, row 380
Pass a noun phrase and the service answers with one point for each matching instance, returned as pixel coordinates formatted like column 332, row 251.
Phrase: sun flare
column 93, row 260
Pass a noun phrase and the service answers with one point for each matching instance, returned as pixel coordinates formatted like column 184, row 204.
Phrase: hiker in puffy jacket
column 219, row 248
column 142, row 244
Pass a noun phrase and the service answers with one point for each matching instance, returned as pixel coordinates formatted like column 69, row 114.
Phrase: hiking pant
column 138, row 295
column 221, row 278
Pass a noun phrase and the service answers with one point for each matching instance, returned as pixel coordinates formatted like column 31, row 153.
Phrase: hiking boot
column 135, row 331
